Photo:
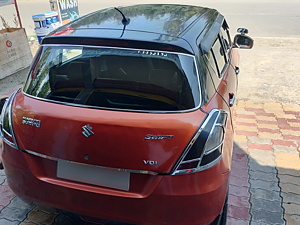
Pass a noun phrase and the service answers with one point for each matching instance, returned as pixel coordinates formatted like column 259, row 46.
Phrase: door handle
column 231, row 99
column 237, row 70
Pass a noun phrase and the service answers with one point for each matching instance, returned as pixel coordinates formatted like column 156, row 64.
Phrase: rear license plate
column 93, row 175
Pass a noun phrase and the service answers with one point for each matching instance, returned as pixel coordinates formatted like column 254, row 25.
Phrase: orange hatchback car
column 126, row 115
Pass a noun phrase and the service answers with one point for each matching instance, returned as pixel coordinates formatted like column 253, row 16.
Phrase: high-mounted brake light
column 6, row 127
column 205, row 149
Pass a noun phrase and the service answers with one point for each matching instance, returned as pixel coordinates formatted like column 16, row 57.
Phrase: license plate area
column 95, row 175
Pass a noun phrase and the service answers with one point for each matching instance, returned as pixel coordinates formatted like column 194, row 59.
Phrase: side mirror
column 242, row 30
column 243, row 41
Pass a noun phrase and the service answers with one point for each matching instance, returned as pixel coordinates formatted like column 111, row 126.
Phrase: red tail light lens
column 205, row 149
column 6, row 127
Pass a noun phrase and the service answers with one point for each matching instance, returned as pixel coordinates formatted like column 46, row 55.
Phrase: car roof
column 179, row 28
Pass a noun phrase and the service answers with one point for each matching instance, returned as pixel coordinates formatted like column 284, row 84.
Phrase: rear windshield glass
column 115, row 78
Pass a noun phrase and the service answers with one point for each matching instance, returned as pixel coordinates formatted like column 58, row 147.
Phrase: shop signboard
column 68, row 10
column 6, row 2
column 15, row 52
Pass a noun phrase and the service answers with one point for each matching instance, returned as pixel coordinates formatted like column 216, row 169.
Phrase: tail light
column 6, row 127
column 205, row 149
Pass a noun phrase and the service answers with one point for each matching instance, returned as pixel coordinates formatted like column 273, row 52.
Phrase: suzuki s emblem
column 87, row 130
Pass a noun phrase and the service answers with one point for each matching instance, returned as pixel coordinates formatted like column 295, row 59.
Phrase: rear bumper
column 183, row 199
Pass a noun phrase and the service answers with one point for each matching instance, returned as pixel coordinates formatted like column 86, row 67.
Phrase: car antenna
column 125, row 20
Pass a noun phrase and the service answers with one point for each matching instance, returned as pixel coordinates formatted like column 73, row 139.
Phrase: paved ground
column 265, row 178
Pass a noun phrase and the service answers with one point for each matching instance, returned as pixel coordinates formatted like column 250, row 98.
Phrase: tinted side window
column 225, row 39
column 212, row 77
column 219, row 55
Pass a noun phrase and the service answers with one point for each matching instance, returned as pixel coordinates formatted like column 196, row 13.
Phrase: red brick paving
column 260, row 146
column 284, row 143
column 6, row 195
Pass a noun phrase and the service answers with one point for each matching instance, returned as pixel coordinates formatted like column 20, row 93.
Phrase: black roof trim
column 210, row 37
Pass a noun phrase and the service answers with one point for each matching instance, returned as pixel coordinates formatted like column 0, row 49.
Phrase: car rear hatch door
column 106, row 138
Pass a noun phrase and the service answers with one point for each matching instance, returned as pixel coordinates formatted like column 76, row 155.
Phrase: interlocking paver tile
column 288, row 171
column 291, row 107
column 294, row 124
column 247, row 128
column 291, row 132
column 19, row 204
column 292, row 219
column 40, row 217
column 238, row 212
column 240, row 157
column 291, row 137
column 240, row 163
column 290, row 198
column 238, row 201
column 263, row 123
column 251, row 104
column 237, row 124
column 289, row 164
column 245, row 120
column 255, row 110
column 261, row 155
column 259, row 140
column 267, row 185
column 247, row 116
column 6, row 195
column 239, row 191
column 285, row 178
column 266, row 118
column 239, row 181
column 13, row 214
column 291, row 188
column 233, row 221
column 62, row 219
column 270, row 135
column 291, row 208
column 7, row 222
column 263, row 163
column 255, row 166
column 284, row 143
column 263, row 176
column 267, row 217
column 286, row 152
column 240, row 147
column 265, row 194
column 241, row 138
column 263, row 204
column 267, row 130
column 257, row 223
column 265, row 147
column 286, row 116
column 246, row 133
column 239, row 172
